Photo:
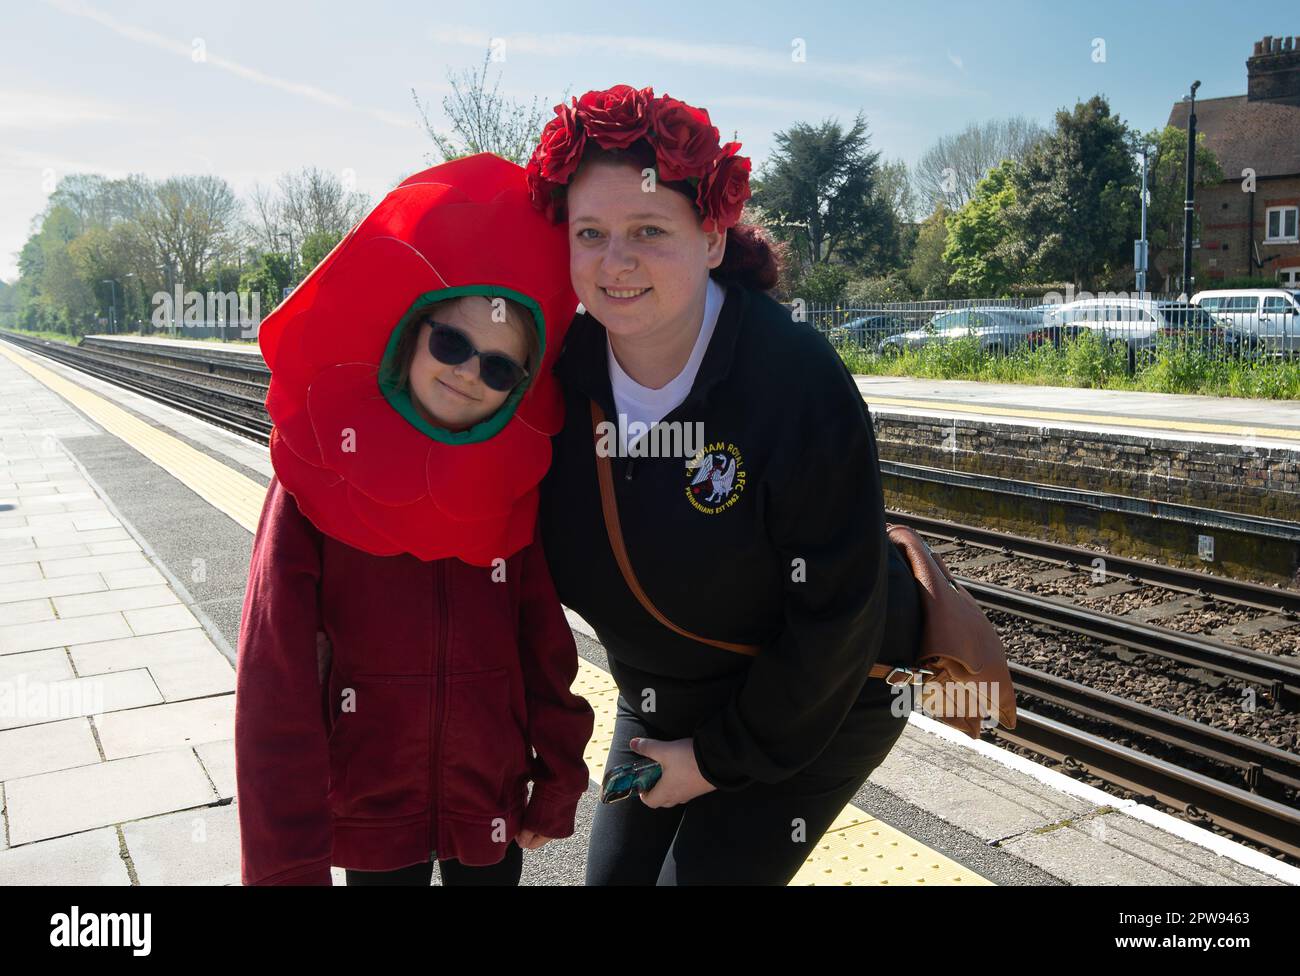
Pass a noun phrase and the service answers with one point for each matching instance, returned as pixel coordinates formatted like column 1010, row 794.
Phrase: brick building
column 1260, row 132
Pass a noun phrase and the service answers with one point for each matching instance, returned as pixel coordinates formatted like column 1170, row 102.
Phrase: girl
column 413, row 407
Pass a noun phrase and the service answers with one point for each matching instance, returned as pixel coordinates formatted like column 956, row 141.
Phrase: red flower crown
column 685, row 144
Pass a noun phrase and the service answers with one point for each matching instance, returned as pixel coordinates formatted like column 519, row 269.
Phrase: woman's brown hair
column 521, row 317
column 750, row 259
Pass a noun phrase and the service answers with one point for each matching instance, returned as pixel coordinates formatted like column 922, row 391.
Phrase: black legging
column 758, row 835
column 504, row 872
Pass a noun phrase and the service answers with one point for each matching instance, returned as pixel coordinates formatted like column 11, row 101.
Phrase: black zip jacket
column 780, row 542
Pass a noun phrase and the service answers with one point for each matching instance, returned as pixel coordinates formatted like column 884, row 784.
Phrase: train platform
column 1202, row 419
column 125, row 533
column 1206, row 419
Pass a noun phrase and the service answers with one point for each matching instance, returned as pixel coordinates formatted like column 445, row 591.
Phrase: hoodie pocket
column 379, row 753
column 484, row 770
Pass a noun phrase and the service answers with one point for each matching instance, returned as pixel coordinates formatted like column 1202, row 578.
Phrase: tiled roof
column 1264, row 136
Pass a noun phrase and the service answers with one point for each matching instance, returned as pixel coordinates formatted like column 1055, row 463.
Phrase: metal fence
column 1135, row 327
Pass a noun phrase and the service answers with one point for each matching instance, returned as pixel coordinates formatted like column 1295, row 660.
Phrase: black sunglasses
column 451, row 346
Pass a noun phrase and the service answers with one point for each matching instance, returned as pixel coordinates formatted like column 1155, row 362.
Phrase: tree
column 1076, row 206
column 314, row 248
column 894, row 186
column 818, row 191
column 1167, row 184
column 188, row 220
column 950, row 170
column 483, row 121
column 928, row 274
column 308, row 204
column 982, row 247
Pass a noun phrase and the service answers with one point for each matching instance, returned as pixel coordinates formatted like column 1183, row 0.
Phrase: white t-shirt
column 646, row 405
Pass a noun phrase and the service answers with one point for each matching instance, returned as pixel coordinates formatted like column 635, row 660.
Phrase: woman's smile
column 623, row 296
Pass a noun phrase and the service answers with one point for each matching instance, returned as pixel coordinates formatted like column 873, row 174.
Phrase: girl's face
column 647, row 246
column 455, row 397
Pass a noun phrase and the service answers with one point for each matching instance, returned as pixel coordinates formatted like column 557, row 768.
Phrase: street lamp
column 1189, row 202
column 289, row 235
column 112, row 322
column 1141, row 248
column 126, row 310
column 171, row 288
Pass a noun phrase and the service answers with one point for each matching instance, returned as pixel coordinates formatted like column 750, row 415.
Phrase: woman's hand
column 531, row 840
column 681, row 780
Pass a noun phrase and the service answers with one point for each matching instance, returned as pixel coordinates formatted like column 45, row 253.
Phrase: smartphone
column 619, row 782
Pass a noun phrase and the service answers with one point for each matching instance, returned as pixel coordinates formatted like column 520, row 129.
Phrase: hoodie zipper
column 435, row 720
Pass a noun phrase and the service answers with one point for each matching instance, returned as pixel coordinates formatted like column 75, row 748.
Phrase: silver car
column 1139, row 324
column 999, row 330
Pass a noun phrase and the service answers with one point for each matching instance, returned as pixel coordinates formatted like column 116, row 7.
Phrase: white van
column 1270, row 314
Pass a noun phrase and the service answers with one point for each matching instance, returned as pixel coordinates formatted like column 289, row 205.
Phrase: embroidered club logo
column 715, row 477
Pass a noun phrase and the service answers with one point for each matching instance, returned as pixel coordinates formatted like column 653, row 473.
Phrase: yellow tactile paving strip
column 1106, row 420
column 857, row 849
column 224, row 488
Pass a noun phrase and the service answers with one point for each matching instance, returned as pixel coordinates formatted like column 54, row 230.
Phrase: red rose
column 617, row 117
column 685, row 140
column 561, row 145
column 724, row 189
column 542, row 191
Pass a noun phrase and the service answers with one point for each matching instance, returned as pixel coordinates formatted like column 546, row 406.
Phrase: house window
column 1280, row 224
column 1288, row 277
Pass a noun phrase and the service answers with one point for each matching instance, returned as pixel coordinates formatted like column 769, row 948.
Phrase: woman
column 770, row 534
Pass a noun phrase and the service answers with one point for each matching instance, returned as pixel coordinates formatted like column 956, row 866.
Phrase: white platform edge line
column 1156, row 818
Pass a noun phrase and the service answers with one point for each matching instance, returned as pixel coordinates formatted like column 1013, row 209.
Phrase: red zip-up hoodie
column 447, row 692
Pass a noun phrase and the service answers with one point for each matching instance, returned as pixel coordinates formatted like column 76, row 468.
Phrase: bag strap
column 609, row 506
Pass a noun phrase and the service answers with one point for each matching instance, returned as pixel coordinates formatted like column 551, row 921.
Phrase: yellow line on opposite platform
column 856, row 849
column 1098, row 420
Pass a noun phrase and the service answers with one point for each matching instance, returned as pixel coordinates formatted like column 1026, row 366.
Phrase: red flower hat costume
column 361, row 463
column 680, row 139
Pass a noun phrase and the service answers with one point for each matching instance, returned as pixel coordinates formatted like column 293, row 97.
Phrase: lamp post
column 171, row 277
column 289, row 236
column 1189, row 202
column 112, row 290
column 1141, row 250
column 126, row 311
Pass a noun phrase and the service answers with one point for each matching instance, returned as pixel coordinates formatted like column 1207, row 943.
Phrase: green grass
column 46, row 334
column 1086, row 362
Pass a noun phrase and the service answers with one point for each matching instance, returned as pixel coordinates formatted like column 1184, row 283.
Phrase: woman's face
column 455, row 397
column 647, row 246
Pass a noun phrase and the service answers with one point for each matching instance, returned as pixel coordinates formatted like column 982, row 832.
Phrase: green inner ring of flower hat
column 400, row 399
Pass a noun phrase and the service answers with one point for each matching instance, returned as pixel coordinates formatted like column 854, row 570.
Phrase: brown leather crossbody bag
column 961, row 667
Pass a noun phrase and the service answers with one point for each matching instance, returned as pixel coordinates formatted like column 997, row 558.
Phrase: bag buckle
column 909, row 675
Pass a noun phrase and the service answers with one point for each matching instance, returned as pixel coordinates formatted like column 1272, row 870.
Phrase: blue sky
column 115, row 87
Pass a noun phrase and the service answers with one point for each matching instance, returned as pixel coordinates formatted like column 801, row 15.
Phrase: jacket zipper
column 439, row 706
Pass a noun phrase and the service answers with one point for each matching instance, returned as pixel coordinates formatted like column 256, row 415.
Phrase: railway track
column 1234, row 782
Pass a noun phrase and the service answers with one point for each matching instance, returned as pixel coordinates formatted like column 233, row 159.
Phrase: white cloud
column 32, row 110
column 728, row 56
column 185, row 49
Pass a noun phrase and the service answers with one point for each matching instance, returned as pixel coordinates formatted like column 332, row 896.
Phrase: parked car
column 1271, row 316
column 1140, row 324
column 865, row 330
column 999, row 330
